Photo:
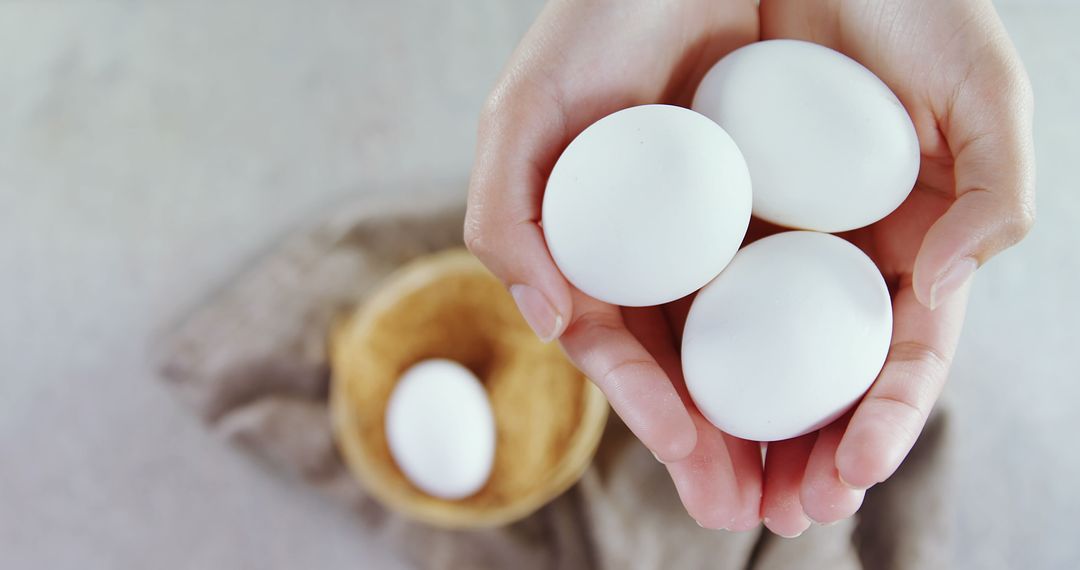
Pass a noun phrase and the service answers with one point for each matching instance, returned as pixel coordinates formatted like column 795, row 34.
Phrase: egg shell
column 829, row 146
column 441, row 430
column 646, row 205
column 788, row 337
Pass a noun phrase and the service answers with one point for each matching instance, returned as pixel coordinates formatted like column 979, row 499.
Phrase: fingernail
column 818, row 523
column 543, row 319
column 658, row 458
column 853, row 487
column 951, row 280
column 765, row 521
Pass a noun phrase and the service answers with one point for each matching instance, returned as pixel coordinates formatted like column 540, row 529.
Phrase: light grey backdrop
column 148, row 150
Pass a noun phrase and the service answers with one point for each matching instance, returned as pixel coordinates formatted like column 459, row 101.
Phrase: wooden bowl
column 548, row 416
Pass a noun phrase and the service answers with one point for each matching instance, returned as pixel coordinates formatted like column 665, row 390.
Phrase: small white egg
column 441, row 430
column 829, row 146
column 646, row 205
column 788, row 337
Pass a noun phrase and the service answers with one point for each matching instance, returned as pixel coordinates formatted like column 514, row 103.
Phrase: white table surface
column 149, row 150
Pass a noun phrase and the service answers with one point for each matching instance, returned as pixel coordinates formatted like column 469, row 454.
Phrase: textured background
column 148, row 150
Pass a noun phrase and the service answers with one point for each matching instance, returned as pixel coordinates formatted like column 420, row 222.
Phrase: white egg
column 788, row 337
column 440, row 429
column 829, row 146
column 646, row 205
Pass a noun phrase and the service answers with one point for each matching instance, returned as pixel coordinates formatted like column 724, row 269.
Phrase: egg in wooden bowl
column 548, row 418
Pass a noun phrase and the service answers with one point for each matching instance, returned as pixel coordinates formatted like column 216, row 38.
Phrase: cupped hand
column 956, row 72
column 580, row 61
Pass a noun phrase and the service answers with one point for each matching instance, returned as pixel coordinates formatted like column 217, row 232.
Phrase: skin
column 956, row 72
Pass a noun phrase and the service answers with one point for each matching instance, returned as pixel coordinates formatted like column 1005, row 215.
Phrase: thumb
column 505, row 194
column 989, row 129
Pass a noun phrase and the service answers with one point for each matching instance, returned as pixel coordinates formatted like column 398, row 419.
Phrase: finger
column 988, row 127
column 676, row 313
column 825, row 498
column 517, row 137
column 785, row 464
column 639, row 390
column 888, row 420
column 720, row 482
column 651, row 327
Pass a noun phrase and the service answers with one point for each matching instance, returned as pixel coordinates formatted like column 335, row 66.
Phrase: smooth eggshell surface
column 829, row 146
column 788, row 337
column 646, row 205
column 441, row 430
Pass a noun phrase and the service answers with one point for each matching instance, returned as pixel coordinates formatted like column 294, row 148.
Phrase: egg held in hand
column 441, row 430
column 830, row 148
column 646, row 205
column 788, row 337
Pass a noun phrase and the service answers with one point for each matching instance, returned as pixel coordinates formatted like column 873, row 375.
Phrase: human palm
column 958, row 77
column 578, row 63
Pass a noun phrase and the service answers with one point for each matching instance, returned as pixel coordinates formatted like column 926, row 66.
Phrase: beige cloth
column 252, row 363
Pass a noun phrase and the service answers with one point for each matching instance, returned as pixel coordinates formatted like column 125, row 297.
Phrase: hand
column 956, row 72
column 582, row 60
